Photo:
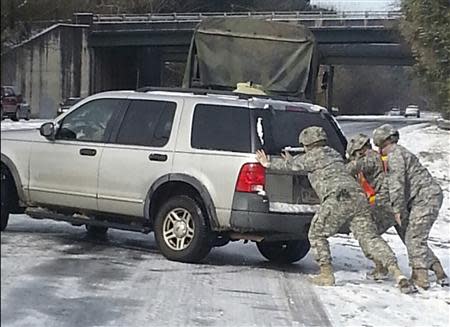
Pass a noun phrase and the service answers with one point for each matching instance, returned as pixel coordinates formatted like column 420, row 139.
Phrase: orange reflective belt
column 367, row 188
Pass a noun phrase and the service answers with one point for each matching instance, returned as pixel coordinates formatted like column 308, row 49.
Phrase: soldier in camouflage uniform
column 342, row 201
column 416, row 199
column 363, row 159
column 366, row 165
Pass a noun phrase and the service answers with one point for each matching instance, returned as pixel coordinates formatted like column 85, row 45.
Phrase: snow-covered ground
column 425, row 117
column 22, row 124
column 359, row 302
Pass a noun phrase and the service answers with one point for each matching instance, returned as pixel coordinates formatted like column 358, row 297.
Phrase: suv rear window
column 276, row 129
column 224, row 128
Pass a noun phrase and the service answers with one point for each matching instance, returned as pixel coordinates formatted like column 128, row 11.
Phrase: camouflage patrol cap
column 312, row 135
column 382, row 133
column 357, row 143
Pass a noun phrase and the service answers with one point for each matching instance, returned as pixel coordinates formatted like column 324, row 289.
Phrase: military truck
column 281, row 57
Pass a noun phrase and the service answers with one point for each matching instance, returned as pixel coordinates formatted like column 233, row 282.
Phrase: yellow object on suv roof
column 249, row 88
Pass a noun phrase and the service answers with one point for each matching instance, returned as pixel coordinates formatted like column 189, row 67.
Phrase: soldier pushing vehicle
column 416, row 199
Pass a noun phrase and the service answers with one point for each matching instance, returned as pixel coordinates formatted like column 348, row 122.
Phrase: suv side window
column 147, row 123
column 224, row 128
column 89, row 122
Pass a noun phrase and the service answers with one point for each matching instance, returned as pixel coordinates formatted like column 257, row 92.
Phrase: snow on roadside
column 425, row 117
column 356, row 301
column 22, row 124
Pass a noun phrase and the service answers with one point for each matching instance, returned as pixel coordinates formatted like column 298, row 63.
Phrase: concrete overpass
column 149, row 42
column 104, row 52
column 346, row 38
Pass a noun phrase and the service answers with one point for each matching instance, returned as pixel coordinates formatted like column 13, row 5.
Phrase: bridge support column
column 330, row 77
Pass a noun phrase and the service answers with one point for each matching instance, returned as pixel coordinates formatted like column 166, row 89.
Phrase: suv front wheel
column 181, row 230
column 284, row 251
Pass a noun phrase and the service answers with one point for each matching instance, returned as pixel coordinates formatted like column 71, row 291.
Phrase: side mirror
column 48, row 130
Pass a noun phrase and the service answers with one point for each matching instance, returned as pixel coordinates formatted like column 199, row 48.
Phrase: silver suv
column 178, row 163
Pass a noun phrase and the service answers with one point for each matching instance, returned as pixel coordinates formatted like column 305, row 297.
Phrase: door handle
column 88, row 152
column 157, row 157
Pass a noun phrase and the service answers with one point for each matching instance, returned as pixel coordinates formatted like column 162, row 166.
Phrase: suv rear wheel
column 181, row 230
column 284, row 251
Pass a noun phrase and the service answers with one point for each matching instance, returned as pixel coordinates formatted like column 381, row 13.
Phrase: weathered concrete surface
column 49, row 67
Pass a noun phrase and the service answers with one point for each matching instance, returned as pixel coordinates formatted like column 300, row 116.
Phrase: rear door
column 278, row 129
column 139, row 152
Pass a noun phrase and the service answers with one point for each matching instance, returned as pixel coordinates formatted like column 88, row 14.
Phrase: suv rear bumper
column 250, row 213
column 270, row 222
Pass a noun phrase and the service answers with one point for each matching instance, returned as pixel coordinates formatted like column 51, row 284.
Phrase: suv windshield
column 277, row 129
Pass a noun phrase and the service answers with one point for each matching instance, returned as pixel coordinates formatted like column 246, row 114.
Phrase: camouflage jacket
column 406, row 177
column 372, row 168
column 326, row 171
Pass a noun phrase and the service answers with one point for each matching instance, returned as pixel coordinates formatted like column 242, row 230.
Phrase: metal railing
column 276, row 16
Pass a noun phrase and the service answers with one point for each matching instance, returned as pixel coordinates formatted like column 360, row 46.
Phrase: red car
column 13, row 105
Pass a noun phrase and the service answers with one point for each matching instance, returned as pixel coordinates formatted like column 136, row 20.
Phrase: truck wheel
column 284, row 251
column 28, row 115
column 181, row 230
column 16, row 116
column 96, row 231
column 4, row 200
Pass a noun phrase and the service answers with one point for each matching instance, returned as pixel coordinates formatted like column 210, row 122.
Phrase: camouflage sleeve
column 352, row 167
column 295, row 164
column 396, row 179
column 365, row 164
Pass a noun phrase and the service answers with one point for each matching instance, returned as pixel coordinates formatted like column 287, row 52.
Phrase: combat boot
column 379, row 272
column 441, row 277
column 403, row 283
column 326, row 276
column 420, row 277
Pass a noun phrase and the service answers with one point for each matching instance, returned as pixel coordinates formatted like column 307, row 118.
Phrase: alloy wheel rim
column 178, row 229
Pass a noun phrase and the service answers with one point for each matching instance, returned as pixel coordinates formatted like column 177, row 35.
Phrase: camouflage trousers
column 418, row 231
column 416, row 226
column 335, row 212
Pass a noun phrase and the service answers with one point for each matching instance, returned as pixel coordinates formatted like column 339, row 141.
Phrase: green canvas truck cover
column 279, row 56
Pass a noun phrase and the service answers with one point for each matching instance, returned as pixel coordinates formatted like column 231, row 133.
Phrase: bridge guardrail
column 279, row 16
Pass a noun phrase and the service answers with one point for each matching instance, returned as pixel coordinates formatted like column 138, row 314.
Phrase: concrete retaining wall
column 49, row 67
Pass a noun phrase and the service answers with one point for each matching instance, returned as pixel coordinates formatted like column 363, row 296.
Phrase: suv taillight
column 252, row 178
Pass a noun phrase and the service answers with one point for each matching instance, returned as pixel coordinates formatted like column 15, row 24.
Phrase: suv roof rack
column 203, row 91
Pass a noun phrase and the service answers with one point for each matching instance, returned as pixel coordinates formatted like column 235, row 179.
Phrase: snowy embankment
column 356, row 301
column 425, row 117
column 22, row 124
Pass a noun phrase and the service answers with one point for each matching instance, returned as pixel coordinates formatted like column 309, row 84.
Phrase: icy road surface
column 53, row 275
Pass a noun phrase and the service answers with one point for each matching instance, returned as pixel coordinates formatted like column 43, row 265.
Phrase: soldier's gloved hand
column 397, row 217
column 262, row 158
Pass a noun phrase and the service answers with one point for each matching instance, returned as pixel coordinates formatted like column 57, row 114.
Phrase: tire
column 181, row 230
column 27, row 117
column 96, row 231
column 5, row 200
column 16, row 116
column 2, row 114
column 284, row 251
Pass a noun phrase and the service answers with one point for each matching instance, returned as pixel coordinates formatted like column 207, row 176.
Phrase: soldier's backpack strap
column 368, row 189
